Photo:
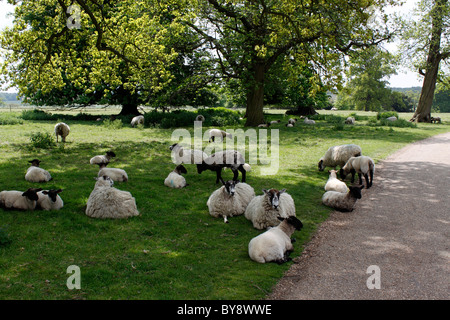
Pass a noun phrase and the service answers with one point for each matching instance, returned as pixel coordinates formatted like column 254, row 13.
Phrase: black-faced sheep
column 350, row 120
column 63, row 130
column 36, row 174
column 338, row 156
column 362, row 165
column 175, row 178
column 19, row 200
column 102, row 158
column 49, row 200
column 342, row 201
column 216, row 133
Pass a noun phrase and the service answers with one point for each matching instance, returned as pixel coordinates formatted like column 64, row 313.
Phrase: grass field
column 174, row 249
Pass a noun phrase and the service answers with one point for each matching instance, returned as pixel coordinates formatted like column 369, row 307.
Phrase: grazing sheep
column 49, row 200
column 350, row 120
column 334, row 184
column 102, row 158
column 275, row 244
column 338, row 156
column 186, row 156
column 263, row 210
column 19, row 200
column 216, row 133
column 275, row 121
column 115, row 174
column 342, row 201
column 309, row 121
column 36, row 174
column 393, row 118
column 230, row 200
column 105, row 201
column 137, row 120
column 63, row 130
column 289, row 125
column 225, row 159
column 175, row 179
column 200, row 118
column 264, row 125
column 362, row 165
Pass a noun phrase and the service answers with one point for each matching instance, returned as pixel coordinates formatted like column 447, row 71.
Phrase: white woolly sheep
column 275, row 244
column 289, row 125
column 102, row 158
column 292, row 121
column 19, row 200
column 49, row 200
column 263, row 210
column 338, row 156
column 362, row 165
column 334, row 184
column 350, row 120
column 175, row 179
column 393, row 118
column 216, row 133
column 230, row 200
column 264, row 125
column 137, row 120
column 342, row 201
column 275, row 121
column 308, row 121
column 200, row 118
column 186, row 156
column 105, row 201
column 225, row 159
column 115, row 174
column 36, row 174
column 63, row 130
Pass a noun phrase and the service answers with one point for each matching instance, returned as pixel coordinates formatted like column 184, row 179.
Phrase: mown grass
column 174, row 249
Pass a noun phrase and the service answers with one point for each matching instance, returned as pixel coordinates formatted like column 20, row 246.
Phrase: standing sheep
column 49, row 200
column 137, row 120
column 338, row 155
column 115, row 174
column 350, row 120
column 263, row 210
column 186, row 156
column 230, row 200
column 36, row 174
column 102, row 158
column 334, row 184
column 19, row 200
column 275, row 244
column 342, row 201
column 216, row 133
column 225, row 159
column 175, row 179
column 63, row 130
column 362, row 165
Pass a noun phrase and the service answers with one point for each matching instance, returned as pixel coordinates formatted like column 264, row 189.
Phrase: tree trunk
column 255, row 97
column 129, row 108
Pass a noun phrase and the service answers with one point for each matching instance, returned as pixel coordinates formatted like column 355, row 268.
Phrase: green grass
column 174, row 249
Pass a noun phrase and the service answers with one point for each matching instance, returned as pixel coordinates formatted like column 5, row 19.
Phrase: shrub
column 386, row 114
column 113, row 124
column 7, row 119
column 42, row 140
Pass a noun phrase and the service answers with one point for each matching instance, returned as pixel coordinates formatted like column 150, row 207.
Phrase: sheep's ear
column 282, row 191
column 264, row 190
column 280, row 218
column 45, row 192
column 59, row 190
column 96, row 178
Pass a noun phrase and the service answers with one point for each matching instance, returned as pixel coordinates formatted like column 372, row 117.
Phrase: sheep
column 230, row 200
column 275, row 121
column 275, row 244
column 292, row 121
column 105, row 201
column 264, row 209
column 49, row 200
column 334, row 109
column 393, row 118
column 216, row 133
column 19, row 200
column 200, row 118
column 362, row 165
column 264, row 125
column 175, row 179
column 102, row 158
column 338, row 155
column 225, row 159
column 115, row 174
column 308, row 121
column 334, row 184
column 137, row 120
column 36, row 174
column 342, row 201
column 350, row 120
column 289, row 125
column 436, row 119
column 186, row 156
column 63, row 130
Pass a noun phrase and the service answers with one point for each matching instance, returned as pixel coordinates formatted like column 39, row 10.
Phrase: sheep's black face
column 342, row 174
column 52, row 194
column 230, row 187
column 320, row 164
column 181, row 169
column 110, row 153
column 35, row 162
column 296, row 223
column 356, row 191
column 31, row 194
column 173, row 146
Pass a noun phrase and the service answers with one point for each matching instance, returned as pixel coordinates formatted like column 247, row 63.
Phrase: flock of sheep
column 273, row 210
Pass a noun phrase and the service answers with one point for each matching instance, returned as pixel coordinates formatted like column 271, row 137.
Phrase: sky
column 404, row 78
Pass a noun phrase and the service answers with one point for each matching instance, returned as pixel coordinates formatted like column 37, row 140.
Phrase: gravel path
column 401, row 225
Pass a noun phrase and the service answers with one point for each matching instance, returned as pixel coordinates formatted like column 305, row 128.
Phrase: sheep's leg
column 243, row 172
column 353, row 175
column 360, row 177
column 219, row 176
column 235, row 174
column 366, row 177
column 371, row 177
column 225, row 219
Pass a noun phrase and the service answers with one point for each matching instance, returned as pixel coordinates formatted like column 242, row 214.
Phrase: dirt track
column 401, row 225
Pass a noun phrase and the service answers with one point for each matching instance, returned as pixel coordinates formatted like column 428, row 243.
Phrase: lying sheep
column 115, row 174
column 36, row 174
column 362, row 165
column 138, row 120
column 393, row 118
column 102, row 158
column 350, row 120
column 338, row 156
column 309, row 121
column 435, row 120
column 289, row 125
column 230, row 200
column 175, row 179
column 49, row 200
column 216, row 133
column 275, row 121
column 63, row 130
column 186, row 156
column 19, row 200
column 342, row 201
column 105, row 201
column 225, row 159
column 264, row 125
column 263, row 210
column 292, row 121
column 334, row 184
column 275, row 244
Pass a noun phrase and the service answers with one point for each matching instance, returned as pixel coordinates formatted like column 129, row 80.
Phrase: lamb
column 105, row 201
column 362, row 165
column 137, row 120
column 263, row 210
column 338, row 155
column 216, row 133
column 115, row 174
column 342, row 201
column 19, row 200
column 200, row 118
column 175, row 179
column 230, row 200
column 102, row 158
column 309, row 121
column 49, row 200
column 275, row 244
column 186, row 156
column 36, row 174
column 63, row 130
column 225, row 159
column 334, row 184
column 350, row 120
